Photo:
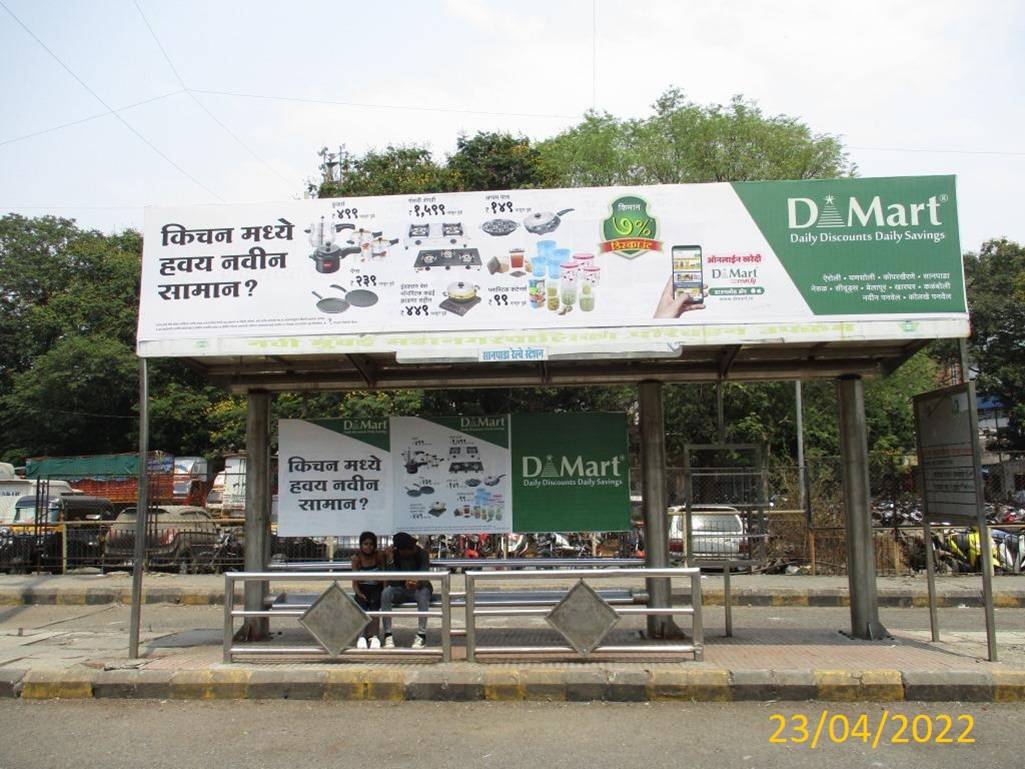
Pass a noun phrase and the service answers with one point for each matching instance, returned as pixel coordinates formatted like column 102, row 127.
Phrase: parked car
column 717, row 531
column 33, row 540
column 177, row 536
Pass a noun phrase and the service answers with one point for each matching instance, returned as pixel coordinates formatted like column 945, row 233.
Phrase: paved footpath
column 66, row 637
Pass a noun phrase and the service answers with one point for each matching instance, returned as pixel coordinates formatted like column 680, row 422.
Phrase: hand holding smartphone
column 688, row 274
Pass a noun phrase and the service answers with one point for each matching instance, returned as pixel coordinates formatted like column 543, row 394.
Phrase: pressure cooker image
column 329, row 259
column 322, row 233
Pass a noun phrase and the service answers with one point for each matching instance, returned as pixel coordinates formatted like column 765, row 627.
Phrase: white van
column 13, row 489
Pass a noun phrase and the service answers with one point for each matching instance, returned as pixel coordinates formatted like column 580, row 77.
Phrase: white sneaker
column 389, row 642
column 418, row 642
column 361, row 643
column 375, row 642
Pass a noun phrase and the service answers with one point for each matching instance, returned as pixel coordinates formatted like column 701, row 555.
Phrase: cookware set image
column 556, row 278
column 466, row 490
column 333, row 305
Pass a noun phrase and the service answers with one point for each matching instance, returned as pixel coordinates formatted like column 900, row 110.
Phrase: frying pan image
column 331, row 304
column 360, row 297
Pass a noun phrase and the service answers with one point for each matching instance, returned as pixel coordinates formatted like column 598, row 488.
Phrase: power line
column 48, row 410
column 98, row 98
column 202, row 106
column 91, row 117
column 363, row 105
column 937, row 151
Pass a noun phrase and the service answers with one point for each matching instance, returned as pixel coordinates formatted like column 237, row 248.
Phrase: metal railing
column 283, row 610
column 465, row 563
column 511, row 609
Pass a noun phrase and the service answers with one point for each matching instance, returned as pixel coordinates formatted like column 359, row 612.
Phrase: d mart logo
column 805, row 213
column 571, row 467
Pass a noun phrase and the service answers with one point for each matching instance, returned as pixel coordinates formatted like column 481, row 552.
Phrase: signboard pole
column 930, row 574
column 141, row 508
column 985, row 543
column 950, row 457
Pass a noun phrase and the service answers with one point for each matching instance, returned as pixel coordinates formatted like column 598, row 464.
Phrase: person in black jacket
column 406, row 555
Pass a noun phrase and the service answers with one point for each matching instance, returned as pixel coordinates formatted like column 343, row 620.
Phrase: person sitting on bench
column 406, row 555
column 368, row 594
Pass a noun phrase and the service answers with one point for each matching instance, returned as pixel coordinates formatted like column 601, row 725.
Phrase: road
column 183, row 735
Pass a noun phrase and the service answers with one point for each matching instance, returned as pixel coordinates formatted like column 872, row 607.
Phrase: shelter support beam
column 861, row 568
column 258, row 503
column 653, row 489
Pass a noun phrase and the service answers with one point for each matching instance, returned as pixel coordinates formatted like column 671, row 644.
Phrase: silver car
column 717, row 531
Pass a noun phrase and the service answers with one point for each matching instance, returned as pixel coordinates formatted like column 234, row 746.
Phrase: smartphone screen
column 687, row 273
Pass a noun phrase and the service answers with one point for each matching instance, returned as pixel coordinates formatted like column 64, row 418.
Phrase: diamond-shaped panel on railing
column 583, row 618
column 335, row 620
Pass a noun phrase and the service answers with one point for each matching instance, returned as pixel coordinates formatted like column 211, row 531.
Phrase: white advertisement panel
column 390, row 272
column 452, row 474
column 334, row 477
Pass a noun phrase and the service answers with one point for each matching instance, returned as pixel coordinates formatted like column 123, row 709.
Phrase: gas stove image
column 447, row 258
column 440, row 235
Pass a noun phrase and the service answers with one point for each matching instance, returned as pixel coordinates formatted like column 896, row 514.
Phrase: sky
column 154, row 102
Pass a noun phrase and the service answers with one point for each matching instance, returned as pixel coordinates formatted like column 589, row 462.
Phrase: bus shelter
column 643, row 286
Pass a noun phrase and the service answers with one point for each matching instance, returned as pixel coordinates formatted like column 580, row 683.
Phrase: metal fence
column 800, row 525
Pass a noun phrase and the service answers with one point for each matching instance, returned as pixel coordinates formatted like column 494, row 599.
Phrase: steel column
column 799, row 412
column 861, row 567
column 141, row 508
column 653, row 490
column 257, row 525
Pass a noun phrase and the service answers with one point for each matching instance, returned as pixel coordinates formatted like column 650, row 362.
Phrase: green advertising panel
column 571, row 472
column 864, row 246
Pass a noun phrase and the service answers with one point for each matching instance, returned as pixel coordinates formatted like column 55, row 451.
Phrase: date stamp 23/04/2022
column 886, row 728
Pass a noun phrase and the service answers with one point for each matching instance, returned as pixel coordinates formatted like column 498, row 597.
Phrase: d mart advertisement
column 452, row 475
column 333, row 473
column 571, row 472
column 589, row 258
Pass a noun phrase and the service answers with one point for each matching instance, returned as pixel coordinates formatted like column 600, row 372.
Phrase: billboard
column 523, row 274
column 453, row 475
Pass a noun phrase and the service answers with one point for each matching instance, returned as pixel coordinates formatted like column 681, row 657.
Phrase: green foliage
column 496, row 161
column 68, row 373
column 995, row 282
column 77, row 398
column 888, row 412
column 685, row 142
column 392, row 171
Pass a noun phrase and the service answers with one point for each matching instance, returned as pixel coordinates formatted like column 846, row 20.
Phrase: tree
column 683, row 142
column 392, row 171
column 496, row 161
column 77, row 398
column 995, row 284
column 68, row 371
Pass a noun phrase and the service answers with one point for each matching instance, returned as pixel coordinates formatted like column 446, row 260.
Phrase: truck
column 181, row 480
column 227, row 497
